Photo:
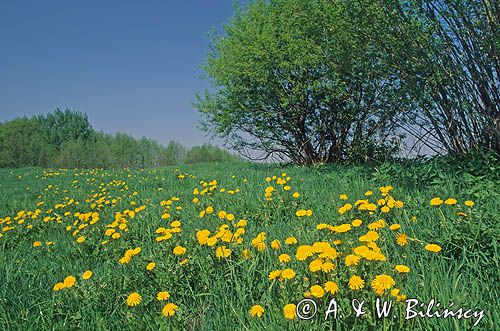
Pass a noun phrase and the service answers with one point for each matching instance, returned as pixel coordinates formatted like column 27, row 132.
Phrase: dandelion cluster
column 155, row 241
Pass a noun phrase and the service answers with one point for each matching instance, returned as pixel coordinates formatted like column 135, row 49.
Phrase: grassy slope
column 217, row 294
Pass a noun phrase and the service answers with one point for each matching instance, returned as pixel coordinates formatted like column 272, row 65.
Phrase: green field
column 60, row 223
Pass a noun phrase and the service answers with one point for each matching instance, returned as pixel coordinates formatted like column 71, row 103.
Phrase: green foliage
column 60, row 127
column 65, row 139
column 307, row 81
column 209, row 153
column 22, row 143
column 328, row 80
column 476, row 177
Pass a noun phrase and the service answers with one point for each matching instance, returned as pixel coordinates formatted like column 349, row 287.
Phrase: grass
column 217, row 293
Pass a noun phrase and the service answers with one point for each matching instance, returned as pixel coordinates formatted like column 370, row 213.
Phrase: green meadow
column 126, row 227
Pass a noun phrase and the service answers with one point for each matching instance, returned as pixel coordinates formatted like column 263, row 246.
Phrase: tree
column 307, row 81
column 208, row 153
column 174, row 153
column 22, row 143
column 60, row 127
column 454, row 70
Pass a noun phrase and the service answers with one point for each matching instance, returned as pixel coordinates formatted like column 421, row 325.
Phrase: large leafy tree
column 308, row 81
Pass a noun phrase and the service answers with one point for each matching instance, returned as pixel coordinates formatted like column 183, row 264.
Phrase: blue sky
column 132, row 66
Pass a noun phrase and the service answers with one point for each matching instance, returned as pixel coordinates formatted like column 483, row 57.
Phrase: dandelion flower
column 37, row 244
column 284, row 258
column 291, row 241
column 384, row 281
column 356, row 222
column 274, row 274
column 315, row 265
column 317, row 291
column 450, row 202
column 356, row 283
column 287, row 274
column 222, row 252
column 150, row 266
column 164, row 295
column 257, row 310
column 290, row 311
column 134, row 299
column 327, row 266
column 436, row 202
column 331, row 287
column 402, row 239
column 179, row 250
column 301, row 212
column 469, row 203
column 351, row 260
column 433, row 248
column 401, row 268
column 59, row 286
column 395, row 227
column 169, row 309
column 275, row 244
column 87, row 274
column 69, row 281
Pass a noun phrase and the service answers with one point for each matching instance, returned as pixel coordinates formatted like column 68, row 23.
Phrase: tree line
column 332, row 80
column 66, row 139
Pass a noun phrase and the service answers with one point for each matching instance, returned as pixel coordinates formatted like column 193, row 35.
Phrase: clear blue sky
column 132, row 66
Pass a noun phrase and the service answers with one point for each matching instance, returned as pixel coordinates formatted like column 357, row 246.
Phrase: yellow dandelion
column 169, row 309
column 401, row 268
column 357, row 222
column 356, row 283
column 150, row 266
column 284, row 258
column 69, row 281
column 222, row 252
column 287, row 274
column 134, row 299
column 275, row 244
column 87, row 274
column 402, row 239
column 395, row 227
column 163, row 295
column 125, row 260
column 433, row 248
column 331, row 287
column 289, row 311
column 469, row 203
column 317, row 291
column 450, row 202
column 351, row 260
column 436, row 202
column 179, row 250
column 59, row 286
column 257, row 310
column 274, row 274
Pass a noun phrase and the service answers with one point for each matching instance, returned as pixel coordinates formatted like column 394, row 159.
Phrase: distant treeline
column 66, row 139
